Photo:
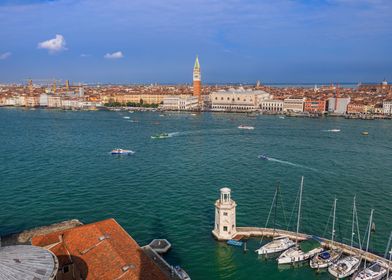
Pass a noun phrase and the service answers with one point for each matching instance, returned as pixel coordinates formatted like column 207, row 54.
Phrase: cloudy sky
column 143, row 41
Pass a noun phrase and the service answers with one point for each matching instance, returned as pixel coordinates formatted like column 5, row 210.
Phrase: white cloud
column 5, row 55
column 114, row 55
column 54, row 45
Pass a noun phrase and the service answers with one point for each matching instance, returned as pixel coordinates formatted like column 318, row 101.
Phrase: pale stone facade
column 271, row 105
column 225, row 216
column 387, row 107
column 294, row 105
column 180, row 102
column 237, row 99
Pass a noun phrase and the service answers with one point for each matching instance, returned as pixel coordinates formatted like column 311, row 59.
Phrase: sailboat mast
column 276, row 206
column 369, row 231
column 352, row 226
column 299, row 207
column 334, row 217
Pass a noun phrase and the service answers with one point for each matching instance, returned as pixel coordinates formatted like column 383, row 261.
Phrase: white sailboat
column 375, row 271
column 295, row 254
column 348, row 265
column 279, row 243
column 327, row 257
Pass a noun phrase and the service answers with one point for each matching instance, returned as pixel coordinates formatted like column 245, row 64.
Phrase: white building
column 54, row 101
column 294, row 105
column 271, row 105
column 338, row 105
column 387, row 107
column 43, row 100
column 237, row 99
column 180, row 102
column 225, row 216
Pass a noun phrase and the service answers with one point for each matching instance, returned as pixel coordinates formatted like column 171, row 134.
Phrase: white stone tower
column 225, row 225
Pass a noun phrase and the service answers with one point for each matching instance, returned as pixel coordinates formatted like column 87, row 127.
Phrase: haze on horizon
column 156, row 41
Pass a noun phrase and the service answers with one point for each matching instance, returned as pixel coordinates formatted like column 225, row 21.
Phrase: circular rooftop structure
column 225, row 190
column 27, row 262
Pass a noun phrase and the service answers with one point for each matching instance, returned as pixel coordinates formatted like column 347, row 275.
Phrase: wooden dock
column 247, row 232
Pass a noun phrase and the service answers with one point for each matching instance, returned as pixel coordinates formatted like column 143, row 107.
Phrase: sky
column 237, row 41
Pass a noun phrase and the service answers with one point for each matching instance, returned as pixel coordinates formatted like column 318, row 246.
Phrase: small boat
column 122, row 152
column 263, row 157
column 160, row 136
column 334, row 130
column 246, row 127
column 374, row 272
column 193, row 114
column 278, row 244
column 365, row 133
column 282, row 117
column 344, row 267
column 127, row 118
column 161, row 115
column 233, row 242
column 181, row 273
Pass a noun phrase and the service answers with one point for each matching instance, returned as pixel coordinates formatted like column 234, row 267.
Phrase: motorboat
column 374, row 272
column 365, row 133
column 295, row 255
column 127, row 118
column 246, row 127
column 264, row 157
column 325, row 258
column 277, row 245
column 181, row 273
column 160, row 136
column 233, row 242
column 122, row 152
column 334, row 130
column 282, row 117
column 344, row 267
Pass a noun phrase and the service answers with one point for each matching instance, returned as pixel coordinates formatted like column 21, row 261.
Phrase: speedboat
column 296, row 255
column 122, row 152
column 325, row 258
column 264, row 157
column 181, row 273
column 334, row 130
column 278, row 244
column 365, row 133
column 344, row 267
column 374, row 272
column 127, row 118
column 246, row 127
column 160, row 136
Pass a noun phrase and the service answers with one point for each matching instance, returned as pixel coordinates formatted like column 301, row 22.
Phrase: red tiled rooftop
column 101, row 259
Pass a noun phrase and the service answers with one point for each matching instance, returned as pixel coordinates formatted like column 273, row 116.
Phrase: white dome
column 225, row 190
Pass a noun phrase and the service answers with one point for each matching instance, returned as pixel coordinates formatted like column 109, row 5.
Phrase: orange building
column 197, row 80
column 315, row 106
column 101, row 250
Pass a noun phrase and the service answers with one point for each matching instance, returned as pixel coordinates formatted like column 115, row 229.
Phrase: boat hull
column 344, row 267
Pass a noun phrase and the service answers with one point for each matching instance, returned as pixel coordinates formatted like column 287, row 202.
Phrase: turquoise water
column 56, row 165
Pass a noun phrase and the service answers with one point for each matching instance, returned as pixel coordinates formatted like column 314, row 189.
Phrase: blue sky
column 145, row 41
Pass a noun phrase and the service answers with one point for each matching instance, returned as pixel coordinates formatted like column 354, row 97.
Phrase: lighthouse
column 225, row 216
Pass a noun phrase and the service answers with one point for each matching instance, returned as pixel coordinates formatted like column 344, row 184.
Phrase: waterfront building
column 315, row 106
column 271, row 105
column 20, row 100
column 197, row 80
column 359, row 108
column 180, row 102
column 338, row 105
column 237, row 99
column 43, row 100
column 293, row 104
column 387, row 107
column 54, row 101
column 101, row 250
column 134, row 98
column 32, row 101
column 225, row 216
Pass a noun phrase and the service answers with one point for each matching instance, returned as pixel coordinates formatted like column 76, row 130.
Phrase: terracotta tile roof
column 101, row 250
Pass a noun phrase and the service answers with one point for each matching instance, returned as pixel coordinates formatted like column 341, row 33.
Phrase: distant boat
column 282, row 117
column 122, row 152
column 161, row 115
column 334, row 130
column 160, row 136
column 246, row 127
column 263, row 157
column 193, row 114
column 365, row 133
column 233, row 242
column 127, row 118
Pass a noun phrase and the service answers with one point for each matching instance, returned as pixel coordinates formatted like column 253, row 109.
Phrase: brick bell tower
column 197, row 80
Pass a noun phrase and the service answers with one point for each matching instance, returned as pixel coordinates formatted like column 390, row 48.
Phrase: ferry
column 246, row 127
column 160, row 136
column 122, row 152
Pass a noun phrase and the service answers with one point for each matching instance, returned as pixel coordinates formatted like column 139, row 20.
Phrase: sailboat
column 375, row 271
column 349, row 264
column 295, row 254
column 279, row 243
column 389, row 273
column 327, row 257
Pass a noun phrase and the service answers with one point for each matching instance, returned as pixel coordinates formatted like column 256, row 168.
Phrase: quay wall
column 246, row 232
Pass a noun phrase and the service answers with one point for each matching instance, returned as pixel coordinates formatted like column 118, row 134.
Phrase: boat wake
column 291, row 164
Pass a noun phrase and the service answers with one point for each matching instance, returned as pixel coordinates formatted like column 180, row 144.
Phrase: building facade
column 293, row 105
column 338, row 105
column 271, row 105
column 180, row 102
column 315, row 106
column 225, row 216
column 387, row 107
column 237, row 99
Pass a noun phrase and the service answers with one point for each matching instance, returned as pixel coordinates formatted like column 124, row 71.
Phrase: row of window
column 233, row 99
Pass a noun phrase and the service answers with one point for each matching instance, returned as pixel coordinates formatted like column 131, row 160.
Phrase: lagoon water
column 56, row 165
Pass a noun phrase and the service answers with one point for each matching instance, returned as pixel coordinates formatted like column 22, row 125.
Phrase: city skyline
column 237, row 41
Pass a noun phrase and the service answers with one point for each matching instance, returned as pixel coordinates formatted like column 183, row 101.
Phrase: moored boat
column 344, row 267
column 374, row 272
column 277, row 245
column 122, row 152
column 181, row 273
column 233, row 242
